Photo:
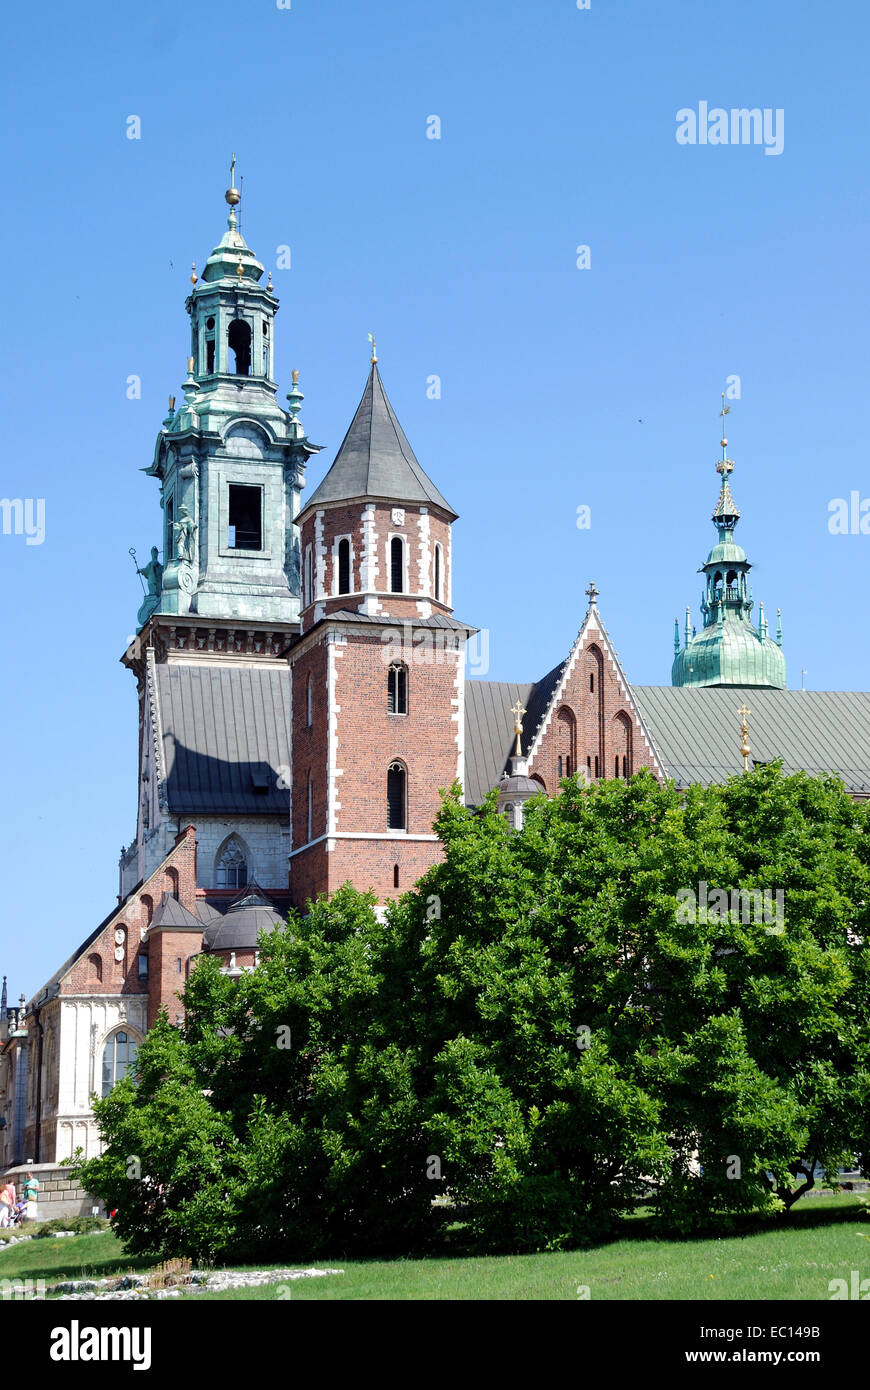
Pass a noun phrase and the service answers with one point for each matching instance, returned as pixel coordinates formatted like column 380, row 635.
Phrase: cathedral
column 303, row 698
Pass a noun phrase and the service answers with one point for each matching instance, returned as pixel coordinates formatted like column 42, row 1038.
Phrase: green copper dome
column 730, row 649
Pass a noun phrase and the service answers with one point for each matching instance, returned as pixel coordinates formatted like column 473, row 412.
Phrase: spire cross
column 374, row 348
column 745, row 750
column 724, row 465
column 233, row 171
column 592, row 593
column 518, row 711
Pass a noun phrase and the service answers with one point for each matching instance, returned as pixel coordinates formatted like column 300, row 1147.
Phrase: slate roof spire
column 375, row 459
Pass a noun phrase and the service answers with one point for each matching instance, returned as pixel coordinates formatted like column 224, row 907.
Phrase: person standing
column 29, row 1191
column 7, row 1203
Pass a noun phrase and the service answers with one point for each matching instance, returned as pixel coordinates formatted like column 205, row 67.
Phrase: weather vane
column 724, row 464
column 374, row 348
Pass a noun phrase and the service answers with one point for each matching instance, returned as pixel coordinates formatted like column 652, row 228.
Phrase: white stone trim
column 335, row 644
column 405, row 591
column 397, row 836
column 319, row 557
column 369, row 570
column 336, row 541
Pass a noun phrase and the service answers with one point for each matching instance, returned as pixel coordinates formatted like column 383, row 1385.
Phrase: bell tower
column 223, row 603
column 230, row 461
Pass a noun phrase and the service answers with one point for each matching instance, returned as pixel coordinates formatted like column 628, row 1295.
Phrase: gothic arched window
column 397, row 689
column 119, row 1055
column 397, row 565
column 343, row 566
column 309, row 575
column 436, row 591
column 95, row 964
column 397, row 778
column 310, row 700
column 231, row 869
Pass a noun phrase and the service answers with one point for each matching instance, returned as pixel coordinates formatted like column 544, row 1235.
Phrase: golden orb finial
column 193, row 276
column 240, row 270
column 232, row 195
column 374, row 349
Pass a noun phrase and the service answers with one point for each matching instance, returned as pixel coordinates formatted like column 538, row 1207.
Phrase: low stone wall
column 59, row 1194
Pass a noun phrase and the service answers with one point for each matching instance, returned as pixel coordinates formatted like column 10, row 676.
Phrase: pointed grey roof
column 172, row 913
column 376, row 460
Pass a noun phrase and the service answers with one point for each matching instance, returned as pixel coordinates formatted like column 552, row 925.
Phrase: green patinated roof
column 730, row 653
column 223, row 263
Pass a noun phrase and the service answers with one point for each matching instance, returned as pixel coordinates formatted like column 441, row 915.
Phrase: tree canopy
column 641, row 993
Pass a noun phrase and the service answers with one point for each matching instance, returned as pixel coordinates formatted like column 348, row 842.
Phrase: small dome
column 241, row 924
column 733, row 654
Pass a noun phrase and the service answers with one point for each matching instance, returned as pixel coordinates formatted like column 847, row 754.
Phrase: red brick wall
column 368, row 740
column 122, row 977
column 590, row 724
column 347, row 520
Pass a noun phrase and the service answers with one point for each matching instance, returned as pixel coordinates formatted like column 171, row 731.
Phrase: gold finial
column 193, row 277
column 374, row 348
column 232, row 195
column 240, row 269
column 171, row 402
column 745, row 750
column 190, row 366
column 517, row 711
column 269, row 285
column 295, row 376
column 724, row 465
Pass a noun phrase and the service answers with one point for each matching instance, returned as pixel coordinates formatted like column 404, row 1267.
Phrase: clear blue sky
column 561, row 387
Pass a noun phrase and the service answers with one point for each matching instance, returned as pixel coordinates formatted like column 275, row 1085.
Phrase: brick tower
column 378, row 670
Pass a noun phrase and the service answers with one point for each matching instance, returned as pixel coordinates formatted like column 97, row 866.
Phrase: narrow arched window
column 396, row 797
column 310, row 700
column 596, row 767
column 95, row 963
column 560, row 764
column 344, row 566
column 436, row 592
column 119, row 1055
column 397, row 689
column 395, row 875
column 310, row 808
column 625, row 768
column 239, row 342
column 397, row 555
column 231, row 869
column 616, row 767
column 591, row 681
column 309, row 575
column 568, row 766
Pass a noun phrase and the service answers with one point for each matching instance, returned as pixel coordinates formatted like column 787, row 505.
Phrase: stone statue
column 153, row 572
column 183, row 530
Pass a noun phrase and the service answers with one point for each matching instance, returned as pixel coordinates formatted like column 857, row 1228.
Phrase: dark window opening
column 246, row 517
column 589, row 766
column 625, row 768
column 209, row 355
column 591, row 682
column 396, row 566
column 265, row 328
column 239, row 341
column 396, row 797
column 438, row 572
column 344, row 567
column 209, row 323
column 178, row 965
column 596, row 767
column 560, row 764
column 568, row 766
column 143, row 967
column 397, row 689
column 395, row 875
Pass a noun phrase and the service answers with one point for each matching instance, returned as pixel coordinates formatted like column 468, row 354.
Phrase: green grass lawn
column 824, row 1239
